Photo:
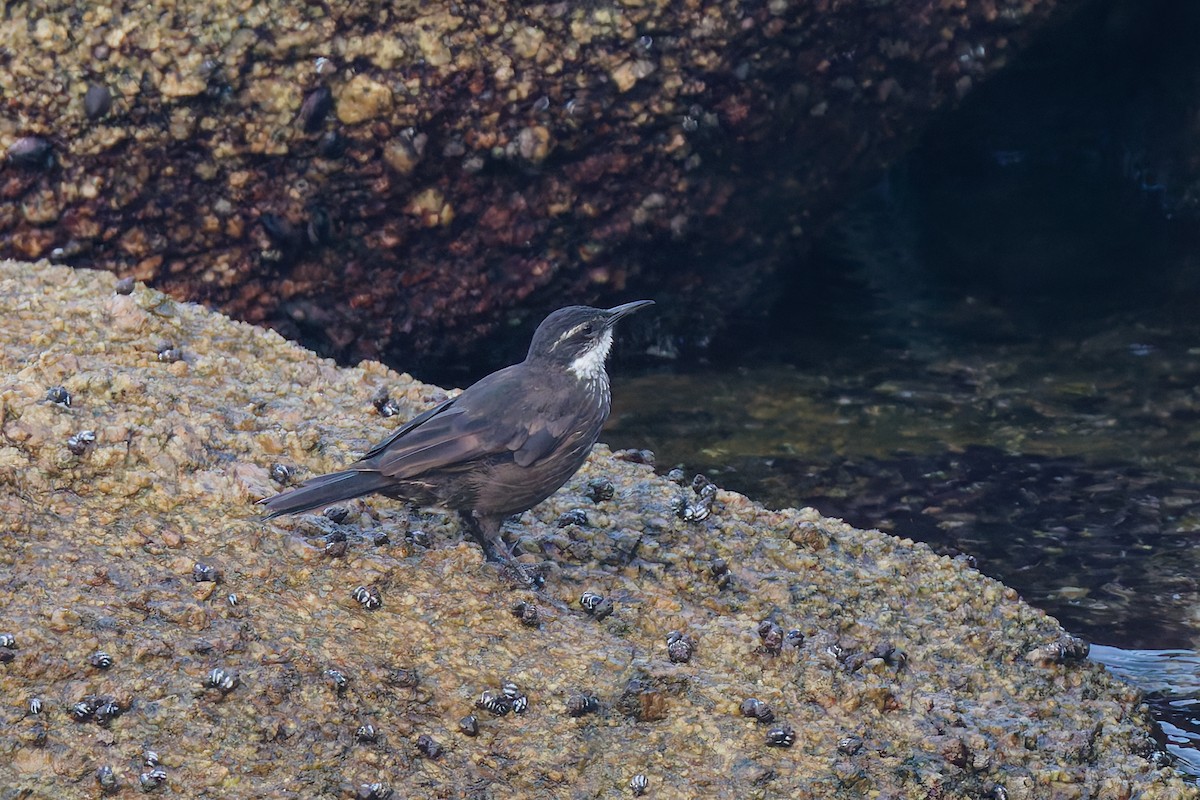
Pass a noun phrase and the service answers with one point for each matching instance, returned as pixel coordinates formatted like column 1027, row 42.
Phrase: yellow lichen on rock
column 363, row 99
column 180, row 86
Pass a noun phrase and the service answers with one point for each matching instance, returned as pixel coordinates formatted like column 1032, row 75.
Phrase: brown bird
column 502, row 446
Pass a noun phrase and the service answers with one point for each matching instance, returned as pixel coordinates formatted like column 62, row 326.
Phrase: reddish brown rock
column 390, row 180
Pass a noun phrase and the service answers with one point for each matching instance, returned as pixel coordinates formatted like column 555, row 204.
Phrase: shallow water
column 1171, row 680
column 1065, row 462
column 1060, row 452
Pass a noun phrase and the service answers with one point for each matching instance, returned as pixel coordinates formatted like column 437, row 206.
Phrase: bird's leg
column 486, row 530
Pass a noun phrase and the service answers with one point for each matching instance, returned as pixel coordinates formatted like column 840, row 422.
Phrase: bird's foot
column 486, row 531
column 521, row 574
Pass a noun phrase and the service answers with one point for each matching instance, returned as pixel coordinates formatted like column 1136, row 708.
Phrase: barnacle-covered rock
column 105, row 544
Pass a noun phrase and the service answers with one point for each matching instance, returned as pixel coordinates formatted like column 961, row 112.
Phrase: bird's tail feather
column 324, row 490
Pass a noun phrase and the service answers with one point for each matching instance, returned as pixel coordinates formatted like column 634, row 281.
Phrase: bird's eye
column 587, row 329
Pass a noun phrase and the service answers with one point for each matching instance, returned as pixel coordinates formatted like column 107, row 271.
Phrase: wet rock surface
column 1023, row 519
column 901, row 673
column 392, row 180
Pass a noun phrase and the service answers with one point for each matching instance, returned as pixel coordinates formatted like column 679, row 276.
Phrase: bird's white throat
column 589, row 367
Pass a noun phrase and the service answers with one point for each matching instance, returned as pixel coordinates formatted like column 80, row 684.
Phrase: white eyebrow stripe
column 562, row 338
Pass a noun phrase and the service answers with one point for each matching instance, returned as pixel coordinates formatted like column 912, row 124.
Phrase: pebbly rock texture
column 395, row 180
column 744, row 653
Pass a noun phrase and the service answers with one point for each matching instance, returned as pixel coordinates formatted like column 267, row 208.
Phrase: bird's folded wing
column 464, row 430
column 535, row 444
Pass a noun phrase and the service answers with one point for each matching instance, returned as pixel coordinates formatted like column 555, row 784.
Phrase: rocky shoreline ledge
column 176, row 643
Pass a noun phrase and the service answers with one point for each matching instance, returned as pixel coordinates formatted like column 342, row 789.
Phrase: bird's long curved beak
column 625, row 309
